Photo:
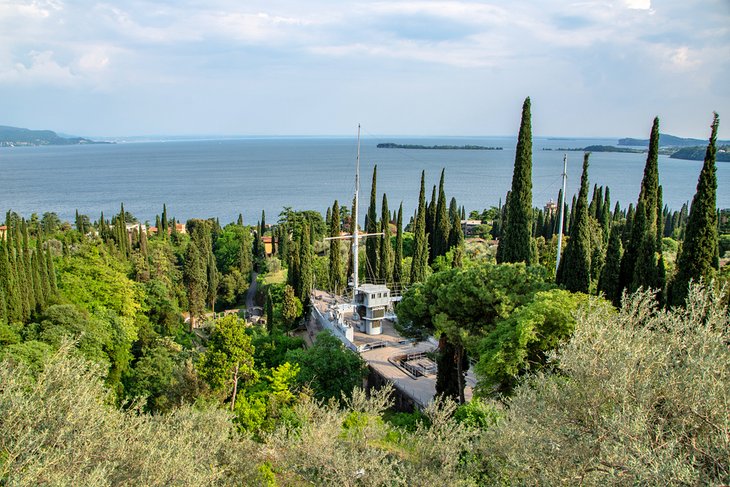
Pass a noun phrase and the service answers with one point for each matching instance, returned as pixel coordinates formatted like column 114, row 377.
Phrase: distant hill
column 698, row 153
column 15, row 136
column 665, row 140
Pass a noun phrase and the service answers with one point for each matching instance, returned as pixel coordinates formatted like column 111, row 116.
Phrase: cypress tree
column 263, row 222
column 608, row 282
column 457, row 246
column 431, row 225
column 239, row 222
column 385, row 260
column 605, row 218
column 697, row 258
column 371, row 226
column 293, row 274
column 516, row 232
column 8, row 287
column 641, row 252
column 51, row 272
column 455, row 216
column 443, row 222
column 196, row 282
column 574, row 271
column 24, row 272
column 45, row 286
column 40, row 301
column 335, row 271
column 306, row 273
column 398, row 259
column 143, row 244
column 212, row 273
column 269, row 311
column 420, row 244
column 284, row 244
column 163, row 228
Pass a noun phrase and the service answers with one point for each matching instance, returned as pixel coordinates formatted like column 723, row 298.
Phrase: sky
column 320, row 67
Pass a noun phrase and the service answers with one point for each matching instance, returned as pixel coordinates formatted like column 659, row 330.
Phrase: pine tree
column 398, row 259
column 515, row 240
column 697, row 258
column 574, row 271
column 335, row 271
column 420, row 243
column 371, row 226
column 443, row 222
column 385, row 259
column 608, row 282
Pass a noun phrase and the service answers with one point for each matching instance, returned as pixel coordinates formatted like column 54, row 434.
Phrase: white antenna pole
column 562, row 205
column 355, row 246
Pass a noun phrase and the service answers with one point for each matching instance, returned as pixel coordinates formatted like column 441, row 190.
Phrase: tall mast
column 560, row 212
column 355, row 239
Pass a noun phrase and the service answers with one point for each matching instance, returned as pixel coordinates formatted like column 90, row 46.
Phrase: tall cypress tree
column 398, row 259
column 608, row 282
column 443, row 222
column 641, row 252
column 574, row 271
column 697, row 259
column 371, row 226
column 163, row 222
column 270, row 325
column 284, row 244
column 306, row 273
column 385, row 260
column 515, row 240
column 335, row 271
column 51, row 270
column 457, row 246
column 420, row 243
column 196, row 282
column 431, row 224
column 455, row 217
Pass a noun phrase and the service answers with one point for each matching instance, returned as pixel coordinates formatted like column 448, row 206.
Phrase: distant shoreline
column 391, row 145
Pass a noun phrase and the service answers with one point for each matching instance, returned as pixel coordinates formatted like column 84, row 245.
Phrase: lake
column 222, row 178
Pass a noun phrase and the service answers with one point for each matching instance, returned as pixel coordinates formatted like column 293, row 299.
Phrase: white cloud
column 638, row 4
column 41, row 67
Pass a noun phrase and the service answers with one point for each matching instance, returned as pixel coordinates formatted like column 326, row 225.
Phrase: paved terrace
column 381, row 352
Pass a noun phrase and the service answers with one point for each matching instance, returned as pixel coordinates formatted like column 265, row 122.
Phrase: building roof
column 373, row 288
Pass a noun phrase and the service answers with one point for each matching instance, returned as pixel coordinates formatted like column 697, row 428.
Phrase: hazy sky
column 591, row 68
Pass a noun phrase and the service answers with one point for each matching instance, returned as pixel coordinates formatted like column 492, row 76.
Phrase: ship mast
column 355, row 239
column 560, row 213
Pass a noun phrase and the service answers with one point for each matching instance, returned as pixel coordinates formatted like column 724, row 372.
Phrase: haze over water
column 222, row 178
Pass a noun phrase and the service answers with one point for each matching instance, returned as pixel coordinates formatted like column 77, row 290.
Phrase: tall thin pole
column 355, row 246
column 562, row 205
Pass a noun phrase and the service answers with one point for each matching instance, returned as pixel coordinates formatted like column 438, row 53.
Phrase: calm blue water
column 223, row 178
